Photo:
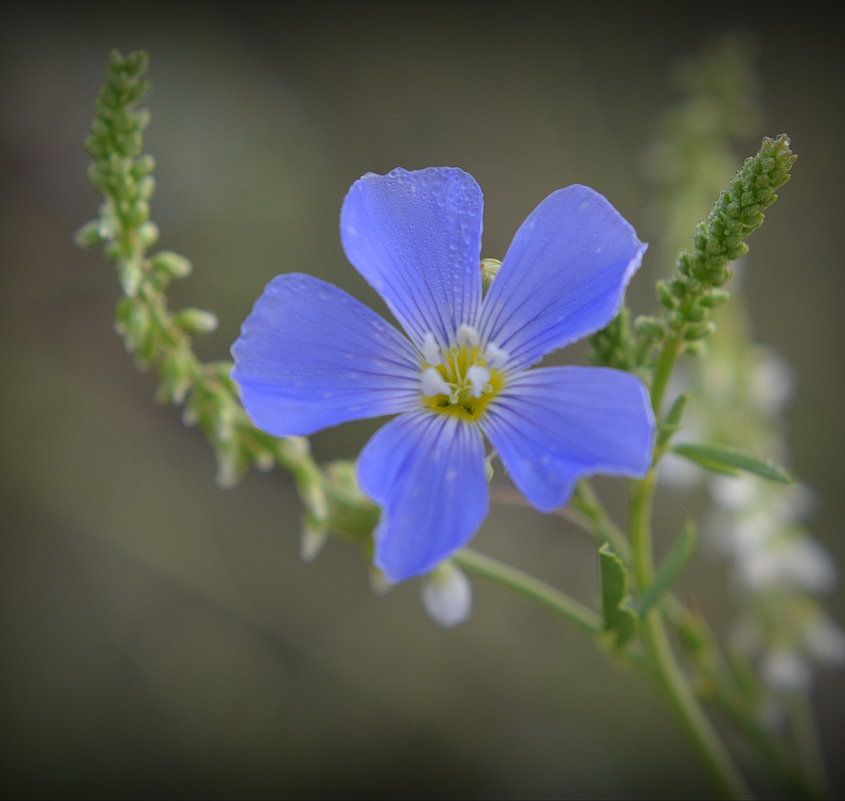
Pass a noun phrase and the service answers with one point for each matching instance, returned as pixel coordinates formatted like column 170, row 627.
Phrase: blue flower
column 310, row 356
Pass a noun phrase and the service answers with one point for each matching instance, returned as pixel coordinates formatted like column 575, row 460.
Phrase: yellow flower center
column 462, row 380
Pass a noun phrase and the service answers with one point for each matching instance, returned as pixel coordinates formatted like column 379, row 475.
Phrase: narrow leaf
column 618, row 618
column 669, row 569
column 672, row 423
column 721, row 459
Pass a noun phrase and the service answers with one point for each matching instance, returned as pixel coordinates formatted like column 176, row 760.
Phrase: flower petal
column 427, row 473
column 416, row 237
column 310, row 356
column 551, row 426
column 563, row 277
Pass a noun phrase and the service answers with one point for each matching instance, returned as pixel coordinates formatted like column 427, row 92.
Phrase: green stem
column 663, row 370
column 585, row 512
column 668, row 672
column 525, row 584
column 603, row 528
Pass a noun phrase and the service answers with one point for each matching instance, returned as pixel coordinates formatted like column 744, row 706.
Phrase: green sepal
column 619, row 619
column 669, row 569
column 729, row 461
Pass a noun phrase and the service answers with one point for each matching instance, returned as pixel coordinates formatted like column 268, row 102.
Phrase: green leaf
column 619, row 619
column 730, row 461
column 669, row 569
column 672, row 424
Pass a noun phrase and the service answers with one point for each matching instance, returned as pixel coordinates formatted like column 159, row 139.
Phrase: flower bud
column 447, row 595
column 146, row 187
column 90, row 235
column 172, row 264
column 313, row 539
column 148, row 234
column 649, row 326
column 196, row 321
column 143, row 166
column 489, row 270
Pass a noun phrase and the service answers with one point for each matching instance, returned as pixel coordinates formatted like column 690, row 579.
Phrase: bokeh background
column 161, row 637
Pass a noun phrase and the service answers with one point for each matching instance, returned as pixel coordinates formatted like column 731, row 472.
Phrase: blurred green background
column 161, row 637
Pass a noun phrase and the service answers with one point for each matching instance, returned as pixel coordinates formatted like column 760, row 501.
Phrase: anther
column 430, row 349
column 494, row 355
column 479, row 378
column 433, row 383
column 467, row 335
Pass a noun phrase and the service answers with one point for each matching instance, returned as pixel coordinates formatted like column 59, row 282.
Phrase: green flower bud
column 175, row 379
column 146, row 187
column 142, row 118
column 665, row 296
column 133, row 321
column 714, row 298
column 148, row 234
column 90, row 235
column 139, row 213
column 649, row 326
column 313, row 539
column 143, row 166
column 196, row 321
column 263, row 460
column 489, row 270
column 699, row 330
column 230, row 466
column 172, row 264
column 698, row 348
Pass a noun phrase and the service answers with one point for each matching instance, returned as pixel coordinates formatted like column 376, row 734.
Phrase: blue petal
column 427, row 473
column 563, row 277
column 310, row 356
column 416, row 237
column 551, row 426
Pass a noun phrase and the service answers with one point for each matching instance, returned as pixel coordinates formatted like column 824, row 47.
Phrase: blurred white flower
column 772, row 382
column 826, row 641
column 734, row 492
column 786, row 561
column 785, row 670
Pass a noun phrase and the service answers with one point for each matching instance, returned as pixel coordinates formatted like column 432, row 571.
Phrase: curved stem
column 668, row 671
column 584, row 511
column 511, row 497
column 603, row 529
column 525, row 584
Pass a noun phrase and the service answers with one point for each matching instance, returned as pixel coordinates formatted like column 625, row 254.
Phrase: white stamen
column 430, row 349
column 433, row 383
column 467, row 335
column 479, row 378
column 494, row 355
